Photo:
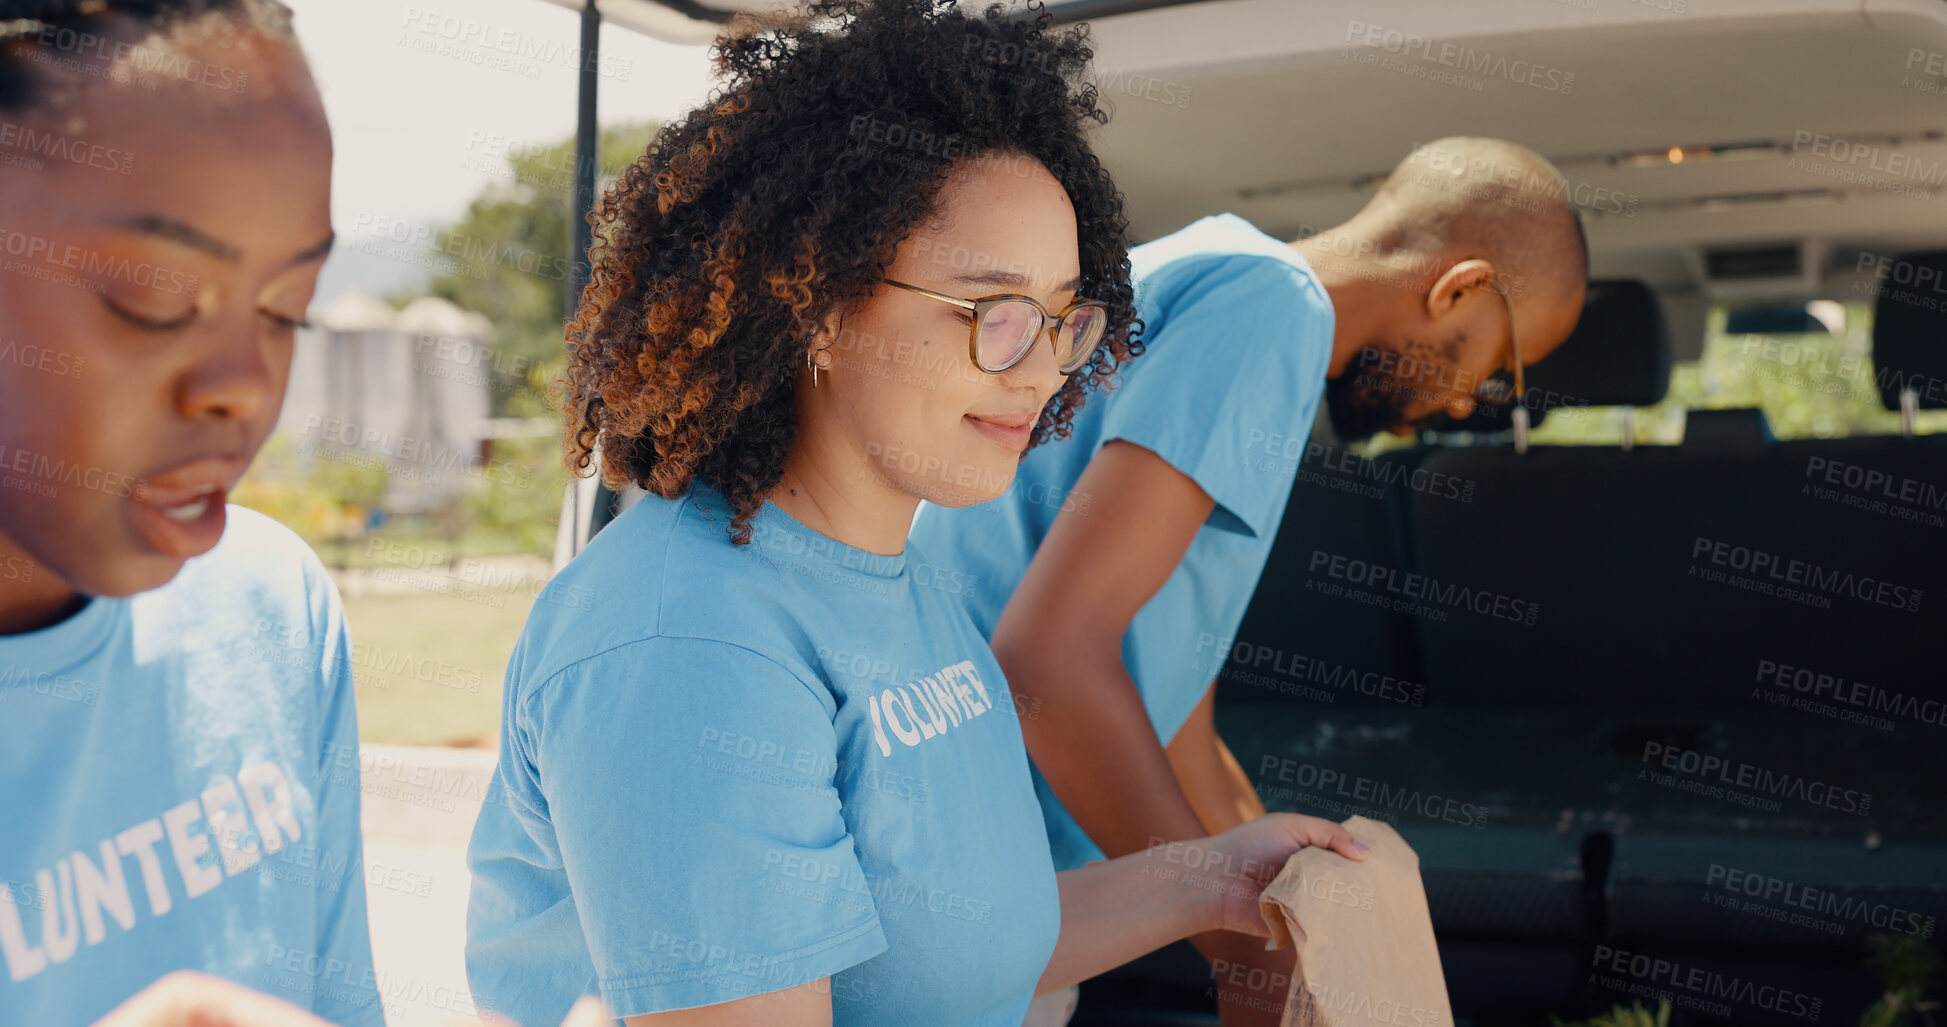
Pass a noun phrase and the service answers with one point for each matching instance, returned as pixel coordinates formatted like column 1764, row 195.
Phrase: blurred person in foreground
column 178, row 747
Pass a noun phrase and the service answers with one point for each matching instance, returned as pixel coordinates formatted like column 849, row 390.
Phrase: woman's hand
column 1116, row 910
column 1234, row 867
column 186, row 998
column 190, row 999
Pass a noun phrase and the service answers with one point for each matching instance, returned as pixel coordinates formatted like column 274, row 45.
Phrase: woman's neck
column 838, row 496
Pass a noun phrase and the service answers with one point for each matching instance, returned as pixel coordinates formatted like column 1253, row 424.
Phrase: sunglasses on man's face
column 1005, row 328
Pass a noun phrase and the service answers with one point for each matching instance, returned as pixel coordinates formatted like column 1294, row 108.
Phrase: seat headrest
column 1618, row 355
column 1910, row 330
column 1488, row 419
column 1733, row 430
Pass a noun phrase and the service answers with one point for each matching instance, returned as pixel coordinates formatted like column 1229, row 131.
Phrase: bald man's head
column 1465, row 197
column 1463, row 232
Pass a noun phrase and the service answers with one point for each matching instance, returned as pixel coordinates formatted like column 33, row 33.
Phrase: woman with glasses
column 774, row 774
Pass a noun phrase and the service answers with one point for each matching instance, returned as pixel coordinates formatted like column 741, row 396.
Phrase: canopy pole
column 600, row 501
column 587, row 145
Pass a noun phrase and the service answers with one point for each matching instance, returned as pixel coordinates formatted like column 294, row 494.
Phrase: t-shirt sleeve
column 343, row 934
column 1227, row 387
column 690, row 787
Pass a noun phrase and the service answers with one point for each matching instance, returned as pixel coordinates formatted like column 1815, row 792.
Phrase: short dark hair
column 27, row 24
column 1497, row 196
column 724, row 250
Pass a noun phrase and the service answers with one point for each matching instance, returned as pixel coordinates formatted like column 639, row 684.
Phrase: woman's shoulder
column 660, row 554
column 251, row 634
column 662, row 569
column 255, row 548
column 260, row 571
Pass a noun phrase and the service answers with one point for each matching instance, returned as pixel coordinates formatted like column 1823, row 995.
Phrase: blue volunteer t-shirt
column 728, row 770
column 1238, row 336
column 180, row 778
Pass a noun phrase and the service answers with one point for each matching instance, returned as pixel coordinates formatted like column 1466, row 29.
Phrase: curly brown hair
column 722, row 252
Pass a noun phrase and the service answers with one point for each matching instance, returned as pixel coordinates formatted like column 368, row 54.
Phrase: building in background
column 406, row 391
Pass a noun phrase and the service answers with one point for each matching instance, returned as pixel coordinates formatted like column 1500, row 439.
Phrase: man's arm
column 1060, row 641
column 1219, row 789
column 1221, row 793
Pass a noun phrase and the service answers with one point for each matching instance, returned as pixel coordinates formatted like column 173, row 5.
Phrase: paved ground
column 411, row 574
column 419, row 807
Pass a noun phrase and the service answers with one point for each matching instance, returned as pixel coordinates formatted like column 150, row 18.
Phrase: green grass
column 428, row 666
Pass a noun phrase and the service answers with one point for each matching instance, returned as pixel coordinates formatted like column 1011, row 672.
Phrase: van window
column 1815, row 384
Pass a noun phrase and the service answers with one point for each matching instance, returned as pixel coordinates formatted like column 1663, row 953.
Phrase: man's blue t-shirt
column 729, row 770
column 1238, row 337
column 179, row 772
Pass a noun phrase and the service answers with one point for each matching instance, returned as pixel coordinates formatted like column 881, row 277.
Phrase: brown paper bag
column 1366, row 956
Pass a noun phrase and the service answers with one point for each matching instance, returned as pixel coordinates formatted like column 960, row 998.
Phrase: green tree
column 515, row 507
column 1912, row 970
column 509, row 259
column 1809, row 386
column 322, row 495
